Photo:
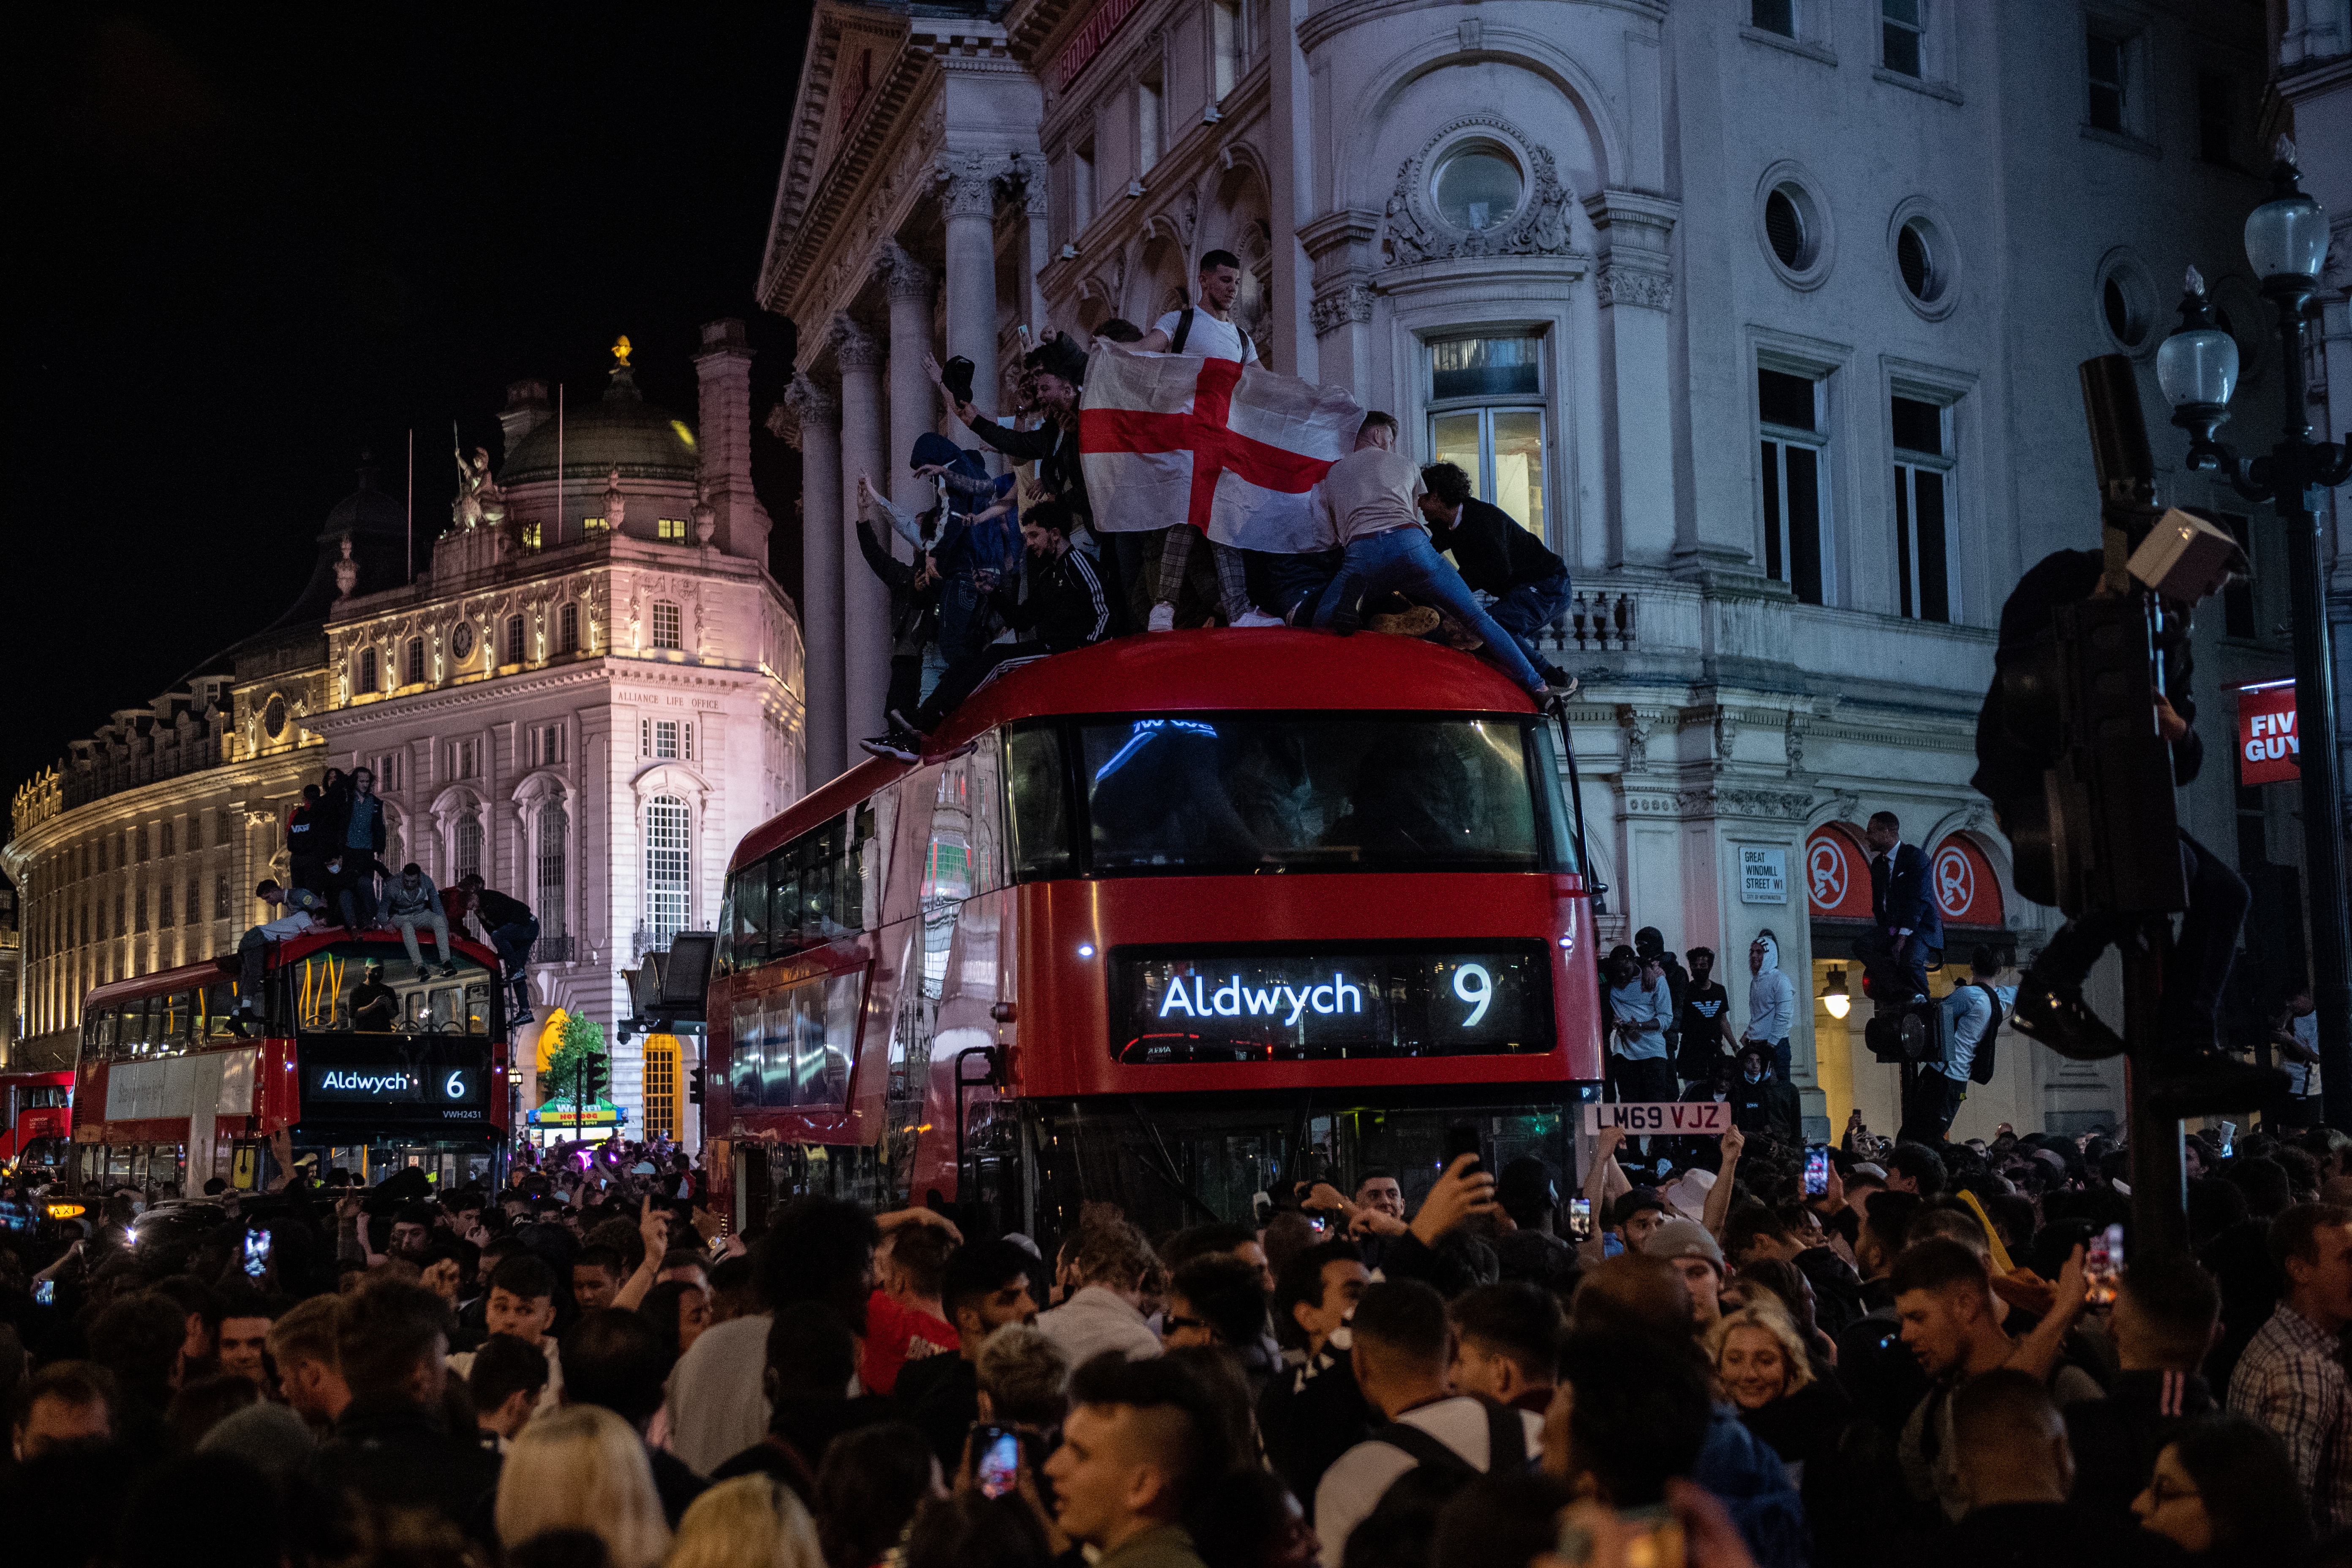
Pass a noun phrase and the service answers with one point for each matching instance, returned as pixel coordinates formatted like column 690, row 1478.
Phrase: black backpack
column 1183, row 330
column 1980, row 1065
column 1507, row 1447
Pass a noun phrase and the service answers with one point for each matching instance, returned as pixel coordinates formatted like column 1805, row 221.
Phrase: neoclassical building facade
column 588, row 695
column 1765, row 317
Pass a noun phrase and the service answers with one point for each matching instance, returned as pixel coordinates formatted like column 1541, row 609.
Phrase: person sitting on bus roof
column 1068, row 607
column 1371, row 499
column 410, row 899
column 375, row 1006
column 305, row 841
column 1499, row 557
column 304, row 910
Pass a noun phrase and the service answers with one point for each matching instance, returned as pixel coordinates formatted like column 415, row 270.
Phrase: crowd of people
column 1010, row 568
column 582, row 1370
column 336, row 878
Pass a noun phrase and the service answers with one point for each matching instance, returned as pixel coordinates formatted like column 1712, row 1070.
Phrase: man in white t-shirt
column 1402, row 1350
column 1205, row 330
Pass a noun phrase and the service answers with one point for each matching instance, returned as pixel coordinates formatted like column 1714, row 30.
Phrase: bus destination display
column 439, row 1081
column 1255, row 1005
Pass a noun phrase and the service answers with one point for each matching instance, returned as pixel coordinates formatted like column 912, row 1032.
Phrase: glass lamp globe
column 2287, row 236
column 2198, row 362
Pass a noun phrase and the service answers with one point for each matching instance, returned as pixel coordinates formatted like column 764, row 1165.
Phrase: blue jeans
column 1528, row 609
column 1295, row 579
column 1402, row 560
column 964, row 617
column 513, row 942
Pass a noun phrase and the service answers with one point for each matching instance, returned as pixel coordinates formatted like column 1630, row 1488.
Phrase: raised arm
column 1597, row 1174
column 1718, row 1198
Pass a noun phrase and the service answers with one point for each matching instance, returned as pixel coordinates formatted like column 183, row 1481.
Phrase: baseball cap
column 1634, row 1203
column 1683, row 1238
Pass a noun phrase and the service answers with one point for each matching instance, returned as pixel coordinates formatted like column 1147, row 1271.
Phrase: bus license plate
column 1700, row 1118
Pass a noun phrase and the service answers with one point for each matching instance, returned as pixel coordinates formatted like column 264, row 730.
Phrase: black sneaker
column 890, row 746
column 2063, row 1022
column 898, row 720
column 2213, row 1083
column 523, row 1016
column 449, row 971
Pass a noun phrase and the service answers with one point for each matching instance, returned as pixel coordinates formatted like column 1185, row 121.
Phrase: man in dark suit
column 1906, row 923
column 1529, row 584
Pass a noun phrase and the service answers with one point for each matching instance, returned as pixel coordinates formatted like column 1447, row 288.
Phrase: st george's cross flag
column 1233, row 450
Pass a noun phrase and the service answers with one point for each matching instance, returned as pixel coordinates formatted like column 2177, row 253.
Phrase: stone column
column 864, row 602
column 1035, row 208
column 811, row 420
column 968, row 202
column 914, row 406
column 1636, row 286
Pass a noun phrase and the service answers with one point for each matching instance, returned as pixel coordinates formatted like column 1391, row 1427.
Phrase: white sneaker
column 1253, row 616
column 1163, row 618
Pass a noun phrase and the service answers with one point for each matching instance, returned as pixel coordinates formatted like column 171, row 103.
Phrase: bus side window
column 130, row 1030
column 1037, row 796
column 98, row 1034
column 477, row 1009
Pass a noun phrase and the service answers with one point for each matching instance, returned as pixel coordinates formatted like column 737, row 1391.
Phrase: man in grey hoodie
column 412, row 900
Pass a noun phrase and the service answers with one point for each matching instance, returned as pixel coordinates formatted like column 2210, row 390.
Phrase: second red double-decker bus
column 36, row 1116
column 1167, row 920
column 168, row 1090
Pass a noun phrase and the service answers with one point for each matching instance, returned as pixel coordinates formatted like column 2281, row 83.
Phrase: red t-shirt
column 891, row 1332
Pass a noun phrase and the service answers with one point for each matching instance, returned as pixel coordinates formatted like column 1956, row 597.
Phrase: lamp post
column 2197, row 366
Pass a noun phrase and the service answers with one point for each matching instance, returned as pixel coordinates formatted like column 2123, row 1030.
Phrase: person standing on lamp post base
column 1907, row 921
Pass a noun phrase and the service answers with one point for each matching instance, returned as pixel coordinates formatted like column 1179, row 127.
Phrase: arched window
column 514, row 640
column 567, row 628
column 555, row 826
column 668, row 889
column 465, row 844
column 367, row 680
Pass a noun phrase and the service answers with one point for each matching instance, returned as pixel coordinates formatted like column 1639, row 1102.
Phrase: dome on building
column 621, row 431
column 367, row 510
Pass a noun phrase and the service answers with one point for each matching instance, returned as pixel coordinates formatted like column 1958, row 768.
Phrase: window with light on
column 1487, row 415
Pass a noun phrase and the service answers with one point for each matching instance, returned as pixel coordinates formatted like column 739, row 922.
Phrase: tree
column 582, row 1043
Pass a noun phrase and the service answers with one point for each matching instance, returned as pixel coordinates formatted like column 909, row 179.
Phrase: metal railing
column 554, row 949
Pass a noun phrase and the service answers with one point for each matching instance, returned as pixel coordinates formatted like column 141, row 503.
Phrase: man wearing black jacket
column 1059, row 366
column 1498, row 558
column 1068, row 607
column 511, row 928
column 2166, row 1313
column 2050, row 1004
column 390, row 1445
column 914, row 616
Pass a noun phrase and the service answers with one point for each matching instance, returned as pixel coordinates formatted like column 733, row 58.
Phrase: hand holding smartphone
column 1817, row 1170
column 995, row 1458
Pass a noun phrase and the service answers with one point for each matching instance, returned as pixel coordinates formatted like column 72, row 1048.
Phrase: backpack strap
column 1507, row 1441
column 1183, row 330
column 1427, row 1450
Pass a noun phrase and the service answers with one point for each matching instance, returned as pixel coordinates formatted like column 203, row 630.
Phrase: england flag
column 1233, row 450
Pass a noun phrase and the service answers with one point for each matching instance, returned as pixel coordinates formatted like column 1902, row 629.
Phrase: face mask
column 1754, row 1077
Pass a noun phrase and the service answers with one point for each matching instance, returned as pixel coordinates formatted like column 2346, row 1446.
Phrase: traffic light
column 694, row 1086
column 595, row 1073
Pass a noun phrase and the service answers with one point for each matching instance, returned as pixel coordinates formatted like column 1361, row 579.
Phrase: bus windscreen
column 1220, row 793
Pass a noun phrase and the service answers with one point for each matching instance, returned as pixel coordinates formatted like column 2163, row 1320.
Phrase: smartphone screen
column 719, row 1245
column 1817, row 1171
column 1459, row 1141
column 256, row 1253
column 995, row 1459
column 1580, row 1218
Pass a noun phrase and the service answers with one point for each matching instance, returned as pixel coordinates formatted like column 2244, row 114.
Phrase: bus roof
column 1224, row 670
column 212, row 971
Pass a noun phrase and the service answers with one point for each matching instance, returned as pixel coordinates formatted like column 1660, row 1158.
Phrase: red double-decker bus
column 168, row 1090
column 35, row 1117
column 1167, row 920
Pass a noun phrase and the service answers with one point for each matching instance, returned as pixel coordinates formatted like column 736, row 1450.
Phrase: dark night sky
column 252, row 241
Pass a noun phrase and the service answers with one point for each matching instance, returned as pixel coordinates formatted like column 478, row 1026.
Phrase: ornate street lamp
column 2197, row 366
column 1834, row 996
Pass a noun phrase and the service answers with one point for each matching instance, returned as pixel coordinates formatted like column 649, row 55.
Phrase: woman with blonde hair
column 751, row 1522
column 1759, row 1361
column 582, row 1468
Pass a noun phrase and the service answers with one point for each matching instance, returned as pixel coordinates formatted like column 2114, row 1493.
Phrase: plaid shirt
column 2291, row 1381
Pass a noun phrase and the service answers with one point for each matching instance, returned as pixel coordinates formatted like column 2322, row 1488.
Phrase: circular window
column 1478, row 188
column 1785, row 228
column 273, row 718
column 1925, row 260
column 2126, row 302
column 461, row 641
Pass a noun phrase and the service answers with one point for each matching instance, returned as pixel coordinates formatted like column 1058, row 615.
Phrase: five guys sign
column 2268, row 742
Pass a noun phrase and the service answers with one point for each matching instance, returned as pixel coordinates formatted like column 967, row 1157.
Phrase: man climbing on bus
column 304, row 909
column 1068, row 607
column 512, row 927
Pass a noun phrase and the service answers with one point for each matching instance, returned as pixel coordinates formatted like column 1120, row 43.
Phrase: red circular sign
column 1837, row 874
column 1966, row 888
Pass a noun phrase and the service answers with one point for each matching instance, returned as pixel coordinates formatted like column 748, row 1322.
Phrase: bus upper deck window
column 1037, row 787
